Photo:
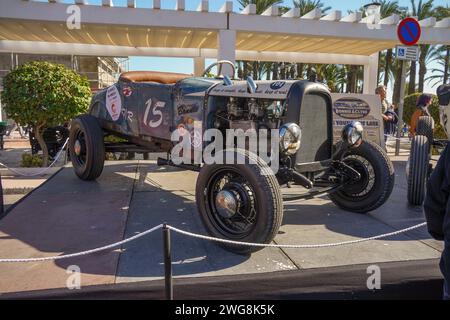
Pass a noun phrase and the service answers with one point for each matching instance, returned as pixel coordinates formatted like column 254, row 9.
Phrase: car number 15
column 156, row 113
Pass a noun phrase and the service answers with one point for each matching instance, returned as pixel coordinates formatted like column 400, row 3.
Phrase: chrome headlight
column 352, row 133
column 290, row 136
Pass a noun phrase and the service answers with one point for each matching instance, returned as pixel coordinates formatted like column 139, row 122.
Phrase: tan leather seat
column 153, row 76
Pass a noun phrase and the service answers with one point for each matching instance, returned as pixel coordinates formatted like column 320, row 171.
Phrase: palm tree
column 421, row 11
column 306, row 6
column 440, row 13
column 387, row 9
column 440, row 55
column 261, row 6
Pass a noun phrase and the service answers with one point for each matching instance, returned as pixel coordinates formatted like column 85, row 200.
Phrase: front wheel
column 376, row 183
column 240, row 202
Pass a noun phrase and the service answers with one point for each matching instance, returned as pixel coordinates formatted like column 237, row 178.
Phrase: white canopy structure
column 107, row 30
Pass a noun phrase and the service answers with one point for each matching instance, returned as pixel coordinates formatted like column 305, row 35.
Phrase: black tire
column 88, row 163
column 418, row 169
column 425, row 127
column 266, row 200
column 377, row 179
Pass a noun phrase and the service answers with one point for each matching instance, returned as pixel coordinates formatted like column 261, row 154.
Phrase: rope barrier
column 43, row 169
column 199, row 236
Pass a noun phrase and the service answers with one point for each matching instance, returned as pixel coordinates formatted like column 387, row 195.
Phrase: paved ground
column 67, row 215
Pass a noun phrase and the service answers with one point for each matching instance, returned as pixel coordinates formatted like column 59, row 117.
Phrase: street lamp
column 372, row 9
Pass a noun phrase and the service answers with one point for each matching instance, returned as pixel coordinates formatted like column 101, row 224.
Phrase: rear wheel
column 425, row 127
column 418, row 167
column 376, row 183
column 86, row 147
column 240, row 202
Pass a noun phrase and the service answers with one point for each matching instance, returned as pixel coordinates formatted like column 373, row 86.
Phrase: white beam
column 180, row 6
column 391, row 20
column 305, row 57
column 335, row 15
column 131, row 3
column 250, row 9
column 352, row 17
column 107, row 3
column 227, row 49
column 292, row 13
column 203, row 6
column 227, row 7
column 117, row 51
column 444, row 23
column 370, row 74
column 368, row 19
column 271, row 11
column 156, row 4
column 199, row 66
column 428, row 22
column 314, row 14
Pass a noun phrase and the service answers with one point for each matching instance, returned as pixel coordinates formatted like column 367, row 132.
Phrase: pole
column 400, row 107
column 1, row 197
column 167, row 263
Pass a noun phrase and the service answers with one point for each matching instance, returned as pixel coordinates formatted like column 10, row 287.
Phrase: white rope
column 43, row 169
column 199, row 236
column 296, row 246
column 83, row 253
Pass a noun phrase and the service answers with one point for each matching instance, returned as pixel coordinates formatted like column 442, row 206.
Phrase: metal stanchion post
column 1, row 196
column 400, row 107
column 167, row 262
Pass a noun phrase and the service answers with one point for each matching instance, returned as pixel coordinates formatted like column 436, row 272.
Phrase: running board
column 166, row 162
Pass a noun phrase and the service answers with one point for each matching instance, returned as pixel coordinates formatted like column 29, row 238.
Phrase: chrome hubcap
column 226, row 203
column 77, row 147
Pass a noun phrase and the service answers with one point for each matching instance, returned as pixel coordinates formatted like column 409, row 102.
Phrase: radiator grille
column 314, row 117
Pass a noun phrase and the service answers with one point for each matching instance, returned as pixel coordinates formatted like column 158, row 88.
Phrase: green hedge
column 410, row 106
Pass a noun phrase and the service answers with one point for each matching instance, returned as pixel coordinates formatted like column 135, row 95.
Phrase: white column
column 370, row 74
column 227, row 49
column 199, row 66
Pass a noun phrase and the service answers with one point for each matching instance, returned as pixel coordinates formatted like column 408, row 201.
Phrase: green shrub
column 42, row 94
column 410, row 106
column 31, row 161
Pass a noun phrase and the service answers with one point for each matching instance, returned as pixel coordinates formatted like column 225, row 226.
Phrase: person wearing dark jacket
column 437, row 212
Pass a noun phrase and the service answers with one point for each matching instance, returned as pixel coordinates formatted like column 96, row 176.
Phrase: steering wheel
column 220, row 64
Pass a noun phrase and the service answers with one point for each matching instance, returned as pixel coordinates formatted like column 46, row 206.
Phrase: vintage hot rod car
column 237, row 201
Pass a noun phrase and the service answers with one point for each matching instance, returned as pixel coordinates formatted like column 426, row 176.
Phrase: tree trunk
column 245, row 70
column 309, row 72
column 300, row 67
column 397, row 80
column 422, row 67
column 387, row 67
column 275, row 71
column 38, row 133
column 412, row 78
column 292, row 72
column 255, row 70
column 446, row 64
column 379, row 67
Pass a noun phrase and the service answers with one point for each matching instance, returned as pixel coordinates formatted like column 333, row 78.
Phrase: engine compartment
column 247, row 113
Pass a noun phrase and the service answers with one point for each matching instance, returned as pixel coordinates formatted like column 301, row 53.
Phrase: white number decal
column 156, row 113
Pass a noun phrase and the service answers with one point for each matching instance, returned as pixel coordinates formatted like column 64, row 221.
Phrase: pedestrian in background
column 422, row 104
column 437, row 212
column 387, row 112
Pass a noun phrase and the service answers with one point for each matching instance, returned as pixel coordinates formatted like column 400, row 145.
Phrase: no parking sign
column 409, row 31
